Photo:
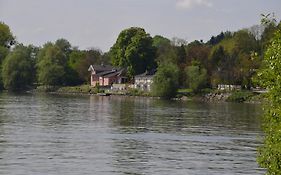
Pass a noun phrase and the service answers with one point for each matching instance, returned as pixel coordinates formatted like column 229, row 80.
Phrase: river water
column 92, row 135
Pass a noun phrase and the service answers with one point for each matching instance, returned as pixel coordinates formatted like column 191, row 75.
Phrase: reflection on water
column 49, row 134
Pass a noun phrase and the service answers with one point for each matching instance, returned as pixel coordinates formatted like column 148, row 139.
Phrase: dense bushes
column 270, row 77
column 165, row 82
column 240, row 96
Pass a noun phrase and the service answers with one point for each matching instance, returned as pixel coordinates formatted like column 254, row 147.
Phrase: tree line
column 228, row 58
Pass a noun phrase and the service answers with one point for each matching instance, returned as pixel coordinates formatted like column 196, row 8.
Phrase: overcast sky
column 97, row 23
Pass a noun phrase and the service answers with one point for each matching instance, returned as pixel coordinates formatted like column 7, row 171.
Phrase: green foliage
column 6, row 37
column 18, row 69
column 270, row 77
column 240, row 96
column 51, row 62
column 79, row 62
column 6, row 41
column 160, row 41
column 135, row 92
column 196, row 77
column 133, row 50
column 64, row 46
column 245, row 42
column 198, row 51
column 165, row 81
column 3, row 53
column 82, row 89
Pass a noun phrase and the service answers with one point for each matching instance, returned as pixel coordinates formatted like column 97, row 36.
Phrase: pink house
column 106, row 75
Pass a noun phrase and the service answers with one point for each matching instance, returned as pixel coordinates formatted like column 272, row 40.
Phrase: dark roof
column 101, row 74
column 102, row 68
column 147, row 73
column 117, row 72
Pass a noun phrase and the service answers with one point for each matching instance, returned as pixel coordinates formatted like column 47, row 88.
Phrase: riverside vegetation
column 228, row 58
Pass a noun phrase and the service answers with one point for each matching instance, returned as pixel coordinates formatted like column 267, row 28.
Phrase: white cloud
column 192, row 3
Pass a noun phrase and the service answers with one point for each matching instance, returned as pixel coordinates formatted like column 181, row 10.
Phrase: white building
column 144, row 81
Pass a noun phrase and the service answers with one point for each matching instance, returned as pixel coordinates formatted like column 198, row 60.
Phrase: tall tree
column 51, row 65
column 19, row 68
column 134, row 51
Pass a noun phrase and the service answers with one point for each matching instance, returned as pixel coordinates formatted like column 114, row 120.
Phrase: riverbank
column 207, row 96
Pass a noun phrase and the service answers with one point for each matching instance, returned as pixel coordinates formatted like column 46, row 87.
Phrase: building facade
column 144, row 81
column 106, row 75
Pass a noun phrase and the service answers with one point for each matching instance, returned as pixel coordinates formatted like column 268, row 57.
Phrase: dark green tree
column 270, row 77
column 133, row 50
column 165, row 82
column 216, row 39
column 18, row 70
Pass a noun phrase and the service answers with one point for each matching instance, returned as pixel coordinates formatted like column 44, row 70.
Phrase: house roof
column 106, row 70
column 101, row 68
column 146, row 74
column 116, row 73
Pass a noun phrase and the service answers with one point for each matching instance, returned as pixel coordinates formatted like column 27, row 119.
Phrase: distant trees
column 60, row 64
column 18, row 70
column 228, row 58
column 133, row 50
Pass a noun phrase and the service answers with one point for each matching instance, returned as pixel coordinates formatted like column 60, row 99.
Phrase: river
column 92, row 135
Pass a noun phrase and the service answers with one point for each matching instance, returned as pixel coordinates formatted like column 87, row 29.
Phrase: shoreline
column 210, row 97
column 214, row 96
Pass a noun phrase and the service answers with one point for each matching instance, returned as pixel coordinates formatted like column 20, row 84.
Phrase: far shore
column 213, row 96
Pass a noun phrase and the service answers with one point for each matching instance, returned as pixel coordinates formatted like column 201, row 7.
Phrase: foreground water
column 71, row 135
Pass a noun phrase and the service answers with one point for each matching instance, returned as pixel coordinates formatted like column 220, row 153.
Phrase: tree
column 245, row 42
column 6, row 41
column 196, row 50
column 133, row 50
column 165, row 81
column 216, row 39
column 160, row 41
column 80, row 61
column 270, row 77
column 51, row 65
column 64, row 45
column 196, row 76
column 19, row 69
column 6, row 37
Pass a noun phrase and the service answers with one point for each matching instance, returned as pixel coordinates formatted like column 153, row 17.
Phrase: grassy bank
column 206, row 95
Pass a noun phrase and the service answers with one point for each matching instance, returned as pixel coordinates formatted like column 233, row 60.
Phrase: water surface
column 54, row 135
